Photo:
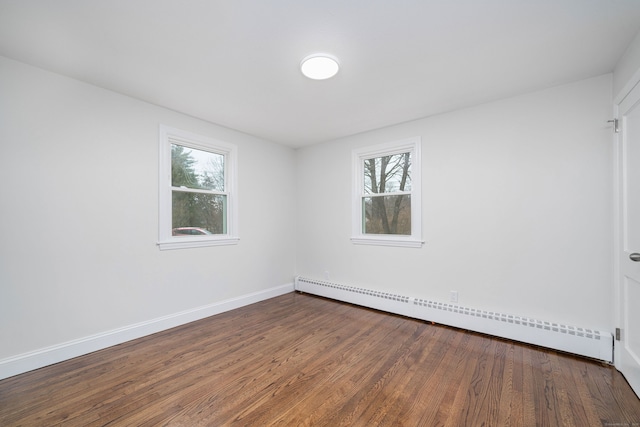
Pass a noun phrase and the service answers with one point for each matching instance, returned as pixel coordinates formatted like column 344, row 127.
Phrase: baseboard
column 57, row 353
column 590, row 343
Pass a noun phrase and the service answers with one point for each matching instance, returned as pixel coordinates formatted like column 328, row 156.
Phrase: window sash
column 199, row 190
column 391, row 181
column 395, row 193
column 373, row 224
column 214, row 221
column 211, row 174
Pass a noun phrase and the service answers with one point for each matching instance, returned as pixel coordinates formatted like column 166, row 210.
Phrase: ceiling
column 236, row 62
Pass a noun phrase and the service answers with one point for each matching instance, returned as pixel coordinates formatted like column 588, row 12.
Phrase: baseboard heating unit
column 571, row 339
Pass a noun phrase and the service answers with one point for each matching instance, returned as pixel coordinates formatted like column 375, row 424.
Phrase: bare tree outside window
column 387, row 201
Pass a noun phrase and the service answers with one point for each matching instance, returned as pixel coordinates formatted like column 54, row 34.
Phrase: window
column 386, row 194
column 198, row 191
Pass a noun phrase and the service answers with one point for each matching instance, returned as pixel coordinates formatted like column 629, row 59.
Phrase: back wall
column 517, row 208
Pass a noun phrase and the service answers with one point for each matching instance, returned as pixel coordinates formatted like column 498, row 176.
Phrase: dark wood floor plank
column 303, row 360
column 481, row 400
column 367, row 352
column 237, row 377
column 319, row 367
column 578, row 395
column 432, row 375
column 459, row 410
column 449, row 379
column 506, row 399
column 529, row 390
column 416, row 363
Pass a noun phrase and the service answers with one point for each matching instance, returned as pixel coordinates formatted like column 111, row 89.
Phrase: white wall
column 627, row 71
column 517, row 208
column 516, row 203
column 79, row 215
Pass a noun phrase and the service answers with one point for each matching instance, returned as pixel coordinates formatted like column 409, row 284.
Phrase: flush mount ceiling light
column 319, row 66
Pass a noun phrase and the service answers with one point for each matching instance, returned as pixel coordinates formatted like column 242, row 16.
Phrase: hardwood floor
column 303, row 360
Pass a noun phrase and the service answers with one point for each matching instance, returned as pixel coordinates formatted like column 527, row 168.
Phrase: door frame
column 618, row 226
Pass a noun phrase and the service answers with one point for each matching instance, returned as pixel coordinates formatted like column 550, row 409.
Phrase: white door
column 628, row 286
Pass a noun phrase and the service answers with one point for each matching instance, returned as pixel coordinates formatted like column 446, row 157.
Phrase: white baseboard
column 57, row 353
column 595, row 344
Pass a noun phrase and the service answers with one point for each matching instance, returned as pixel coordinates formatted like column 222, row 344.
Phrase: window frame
column 169, row 136
column 359, row 155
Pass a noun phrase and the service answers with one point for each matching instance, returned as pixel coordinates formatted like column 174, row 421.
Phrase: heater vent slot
column 363, row 291
column 509, row 318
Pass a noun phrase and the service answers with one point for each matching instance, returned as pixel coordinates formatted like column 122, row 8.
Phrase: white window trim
column 168, row 136
column 358, row 157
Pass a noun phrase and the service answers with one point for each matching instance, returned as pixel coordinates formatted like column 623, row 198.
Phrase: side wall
column 79, row 220
column 627, row 71
column 517, row 209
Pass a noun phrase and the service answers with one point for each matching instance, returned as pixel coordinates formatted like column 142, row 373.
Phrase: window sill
column 387, row 241
column 196, row 243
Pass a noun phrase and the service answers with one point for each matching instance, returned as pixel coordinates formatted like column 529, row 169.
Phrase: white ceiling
column 236, row 62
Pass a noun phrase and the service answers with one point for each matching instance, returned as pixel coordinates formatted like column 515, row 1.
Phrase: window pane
column 197, row 214
column 388, row 174
column 199, row 169
column 387, row 215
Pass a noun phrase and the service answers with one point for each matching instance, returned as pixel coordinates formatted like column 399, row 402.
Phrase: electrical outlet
column 454, row 296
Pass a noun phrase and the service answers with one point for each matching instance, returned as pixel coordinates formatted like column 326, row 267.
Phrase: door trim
column 619, row 219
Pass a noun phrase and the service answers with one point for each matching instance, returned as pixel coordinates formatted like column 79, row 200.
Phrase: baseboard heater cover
column 581, row 341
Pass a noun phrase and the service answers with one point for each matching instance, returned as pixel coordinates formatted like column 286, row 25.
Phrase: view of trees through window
column 198, row 192
column 387, row 200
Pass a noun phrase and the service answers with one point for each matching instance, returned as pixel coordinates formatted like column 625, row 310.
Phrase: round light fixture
column 319, row 66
